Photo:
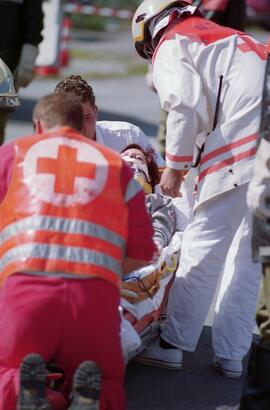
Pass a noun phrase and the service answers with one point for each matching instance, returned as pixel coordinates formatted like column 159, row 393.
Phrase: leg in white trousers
column 206, row 243
column 234, row 319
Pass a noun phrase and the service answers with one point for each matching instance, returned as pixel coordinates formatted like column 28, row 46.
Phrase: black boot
column 32, row 394
column 256, row 391
column 86, row 387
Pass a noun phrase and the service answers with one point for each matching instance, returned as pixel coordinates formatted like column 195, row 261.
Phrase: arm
column 32, row 16
column 258, row 195
column 6, row 162
column 140, row 246
column 131, row 264
column 181, row 94
column 162, row 211
column 33, row 22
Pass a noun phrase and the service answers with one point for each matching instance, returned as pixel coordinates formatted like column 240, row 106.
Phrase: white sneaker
column 229, row 368
column 154, row 355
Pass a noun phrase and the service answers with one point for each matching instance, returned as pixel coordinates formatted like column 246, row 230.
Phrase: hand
column 24, row 73
column 171, row 181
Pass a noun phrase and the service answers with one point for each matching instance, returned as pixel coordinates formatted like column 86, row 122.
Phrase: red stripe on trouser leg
column 178, row 158
column 68, row 320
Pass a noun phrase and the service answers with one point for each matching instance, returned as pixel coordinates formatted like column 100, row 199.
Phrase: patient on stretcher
column 160, row 207
column 143, row 291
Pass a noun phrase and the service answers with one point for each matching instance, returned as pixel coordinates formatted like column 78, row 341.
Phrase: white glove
column 24, row 73
column 258, row 194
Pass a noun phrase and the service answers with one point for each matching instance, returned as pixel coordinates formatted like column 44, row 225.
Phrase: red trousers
column 67, row 320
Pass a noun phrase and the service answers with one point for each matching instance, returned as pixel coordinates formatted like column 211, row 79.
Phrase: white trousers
column 220, row 231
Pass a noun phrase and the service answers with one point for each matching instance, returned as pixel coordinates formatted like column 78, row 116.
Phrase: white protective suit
column 191, row 56
column 118, row 134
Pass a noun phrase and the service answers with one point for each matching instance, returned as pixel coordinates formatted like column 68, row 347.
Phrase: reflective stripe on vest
column 60, row 252
column 61, row 225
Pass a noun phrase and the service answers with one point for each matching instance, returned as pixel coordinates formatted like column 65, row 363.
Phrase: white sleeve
column 181, row 94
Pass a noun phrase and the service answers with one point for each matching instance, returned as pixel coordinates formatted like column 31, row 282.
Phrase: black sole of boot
column 86, row 387
column 32, row 394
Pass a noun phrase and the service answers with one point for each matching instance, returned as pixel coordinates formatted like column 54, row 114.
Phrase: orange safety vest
column 64, row 211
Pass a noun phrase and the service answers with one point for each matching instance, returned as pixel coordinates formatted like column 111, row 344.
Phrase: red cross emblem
column 250, row 45
column 65, row 168
column 71, row 172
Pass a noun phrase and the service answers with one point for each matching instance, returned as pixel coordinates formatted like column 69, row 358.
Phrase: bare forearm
column 130, row 264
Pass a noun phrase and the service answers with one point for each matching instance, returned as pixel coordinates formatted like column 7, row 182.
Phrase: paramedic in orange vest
column 73, row 221
column 209, row 79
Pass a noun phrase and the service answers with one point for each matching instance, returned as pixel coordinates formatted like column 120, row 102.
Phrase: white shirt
column 118, row 134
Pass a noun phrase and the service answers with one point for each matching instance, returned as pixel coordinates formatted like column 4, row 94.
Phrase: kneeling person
column 73, row 221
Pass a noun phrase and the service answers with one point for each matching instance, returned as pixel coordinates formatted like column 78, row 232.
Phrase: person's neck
column 52, row 129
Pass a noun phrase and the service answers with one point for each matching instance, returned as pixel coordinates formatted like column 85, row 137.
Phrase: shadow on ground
column 24, row 114
column 197, row 386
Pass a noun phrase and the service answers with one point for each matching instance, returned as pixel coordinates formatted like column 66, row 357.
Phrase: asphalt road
column 198, row 386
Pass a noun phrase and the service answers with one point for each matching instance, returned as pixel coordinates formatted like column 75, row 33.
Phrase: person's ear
column 34, row 125
column 38, row 127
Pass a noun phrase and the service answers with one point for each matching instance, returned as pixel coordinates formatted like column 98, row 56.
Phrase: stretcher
column 144, row 299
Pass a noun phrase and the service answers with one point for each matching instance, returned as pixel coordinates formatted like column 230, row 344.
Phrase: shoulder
column 118, row 126
column 119, row 134
column 6, row 163
column 7, row 152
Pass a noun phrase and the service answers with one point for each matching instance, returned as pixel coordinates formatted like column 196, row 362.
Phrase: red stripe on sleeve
column 177, row 158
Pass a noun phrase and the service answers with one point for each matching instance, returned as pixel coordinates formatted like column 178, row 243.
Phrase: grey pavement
column 198, row 386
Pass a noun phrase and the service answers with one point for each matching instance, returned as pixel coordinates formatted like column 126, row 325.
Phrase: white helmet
column 146, row 11
column 8, row 94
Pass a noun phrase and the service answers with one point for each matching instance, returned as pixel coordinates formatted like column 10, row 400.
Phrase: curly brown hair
column 77, row 85
column 152, row 166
